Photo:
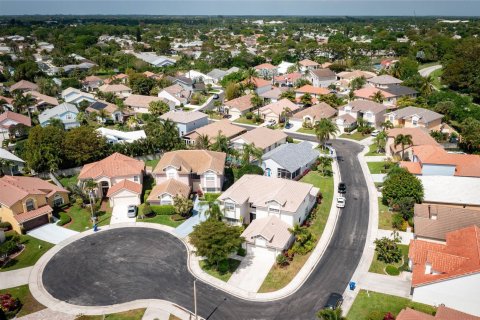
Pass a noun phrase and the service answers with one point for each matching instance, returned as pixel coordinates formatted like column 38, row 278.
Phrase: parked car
column 216, row 96
column 375, row 133
column 272, row 122
column 227, row 116
column 334, row 301
column 341, row 202
column 132, row 211
column 342, row 187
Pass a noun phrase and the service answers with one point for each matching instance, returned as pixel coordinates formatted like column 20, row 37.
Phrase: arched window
column 30, row 205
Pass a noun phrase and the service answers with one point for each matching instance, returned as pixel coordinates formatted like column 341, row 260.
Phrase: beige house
column 413, row 117
column 197, row 170
column 28, row 202
column 119, row 90
column 419, row 137
column 273, row 111
column 239, row 106
column 140, row 104
column 262, row 137
column 314, row 114
column 224, row 127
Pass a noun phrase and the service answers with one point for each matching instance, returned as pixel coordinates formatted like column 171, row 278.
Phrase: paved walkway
column 375, row 158
column 48, row 314
column 378, row 177
column 405, row 237
column 119, row 215
column 14, row 278
column 52, row 233
column 252, row 271
column 397, row 286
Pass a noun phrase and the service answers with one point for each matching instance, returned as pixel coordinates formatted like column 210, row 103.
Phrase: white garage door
column 125, row 201
column 262, row 252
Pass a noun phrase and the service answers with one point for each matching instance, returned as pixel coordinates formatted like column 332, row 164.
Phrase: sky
column 244, row 7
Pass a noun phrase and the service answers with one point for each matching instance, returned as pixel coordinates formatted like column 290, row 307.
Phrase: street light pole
column 195, row 297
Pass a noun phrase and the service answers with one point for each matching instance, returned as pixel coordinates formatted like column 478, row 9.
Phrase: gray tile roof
column 399, row 91
column 425, row 115
column 217, row 73
column 292, row 156
column 57, row 111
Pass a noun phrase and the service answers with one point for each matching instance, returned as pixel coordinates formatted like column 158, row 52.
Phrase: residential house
column 274, row 112
column 346, row 77
column 322, row 77
column 346, row 123
column 315, row 92
column 311, row 115
column 239, row 106
column 450, row 190
column 371, row 112
column 42, row 101
column 111, row 111
column 260, row 85
column 390, row 95
column 140, row 103
column 197, row 77
column 23, row 85
column 9, row 119
column 288, row 80
column 255, row 197
column 120, row 90
column 154, row 59
column 117, row 78
column 198, row 170
column 176, row 93
column 217, row 75
column 116, row 136
column 111, row 171
column 442, row 313
column 7, row 104
column 447, row 274
column 419, row 137
column 264, row 138
column 384, row 81
column 75, row 96
column 412, row 117
column 66, row 112
column 152, row 75
column 212, row 130
column 28, row 202
column 266, row 70
column 434, row 221
column 289, row 160
column 14, row 164
column 186, row 121
column 307, row 65
column 434, row 160
column 92, row 83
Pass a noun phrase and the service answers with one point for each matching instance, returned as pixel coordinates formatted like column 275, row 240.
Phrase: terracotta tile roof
column 140, row 101
column 279, row 106
column 258, row 82
column 115, row 165
column 268, row 66
column 350, row 75
column 435, row 221
column 312, row 90
column 410, row 314
column 225, row 127
column 124, row 185
column 8, row 100
column 42, row 98
column 445, row 313
column 192, row 161
column 172, row 187
column 15, row 188
column 419, row 137
column 92, row 79
column 242, row 103
column 262, row 137
column 317, row 112
column 16, row 117
column 272, row 229
column 291, row 77
column 458, row 257
column 308, row 63
column 412, row 167
column 29, row 215
column 23, row 85
column 369, row 92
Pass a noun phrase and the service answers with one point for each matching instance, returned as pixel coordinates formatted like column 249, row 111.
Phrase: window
column 210, row 190
column 391, row 117
column 30, row 205
column 210, row 177
column 170, row 175
column 415, row 121
column 273, row 210
column 282, row 173
column 57, row 200
column 229, row 206
column 135, row 178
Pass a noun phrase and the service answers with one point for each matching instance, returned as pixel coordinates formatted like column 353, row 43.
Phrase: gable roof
column 308, row 88
column 124, row 185
column 308, row 63
column 273, row 93
column 460, row 256
column 171, row 186
column 292, row 156
column 192, row 161
column 318, row 111
column 272, row 229
column 279, row 106
column 114, row 88
column 23, row 85
column 323, row 73
column 16, row 188
column 42, row 98
column 434, row 221
column 115, row 165
column 225, row 127
column 242, row 103
column 180, row 116
column 7, row 155
column 57, row 111
column 268, row 66
column 16, row 117
column 260, row 190
column 366, row 105
column 262, row 137
column 178, row 92
column 258, row 82
column 425, row 115
column 350, row 75
column 141, row 101
column 384, row 80
column 399, row 91
column 369, row 92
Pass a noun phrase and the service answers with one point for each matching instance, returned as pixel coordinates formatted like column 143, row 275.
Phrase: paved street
column 125, row 264
column 425, row 72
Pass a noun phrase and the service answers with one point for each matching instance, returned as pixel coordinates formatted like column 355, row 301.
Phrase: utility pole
column 195, row 297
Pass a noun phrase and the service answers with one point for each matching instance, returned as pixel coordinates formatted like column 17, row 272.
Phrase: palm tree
column 403, row 140
column 202, row 142
column 381, row 141
column 306, row 100
column 250, row 151
column 386, row 125
column 324, row 163
column 250, row 73
column 257, row 102
column 289, row 94
column 102, row 114
column 90, row 185
column 426, row 87
column 221, row 143
column 378, row 97
column 22, row 101
column 324, row 129
column 284, row 117
column 351, row 95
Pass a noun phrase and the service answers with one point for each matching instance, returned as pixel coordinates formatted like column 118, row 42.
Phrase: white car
column 341, row 202
column 375, row 133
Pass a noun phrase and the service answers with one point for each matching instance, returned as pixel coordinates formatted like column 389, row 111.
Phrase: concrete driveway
column 51, row 233
column 252, row 271
column 119, row 215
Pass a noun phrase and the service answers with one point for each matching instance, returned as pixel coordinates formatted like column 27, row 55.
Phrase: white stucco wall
column 461, row 293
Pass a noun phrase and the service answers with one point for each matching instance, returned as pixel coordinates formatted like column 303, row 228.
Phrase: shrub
column 223, row 266
column 5, row 225
column 177, row 217
column 163, row 210
column 388, row 316
column 10, row 246
column 241, row 252
column 79, row 202
column 249, row 115
column 388, row 250
column 9, row 304
column 144, row 210
column 64, row 219
column 210, row 197
column 397, row 221
column 145, row 196
column 401, row 184
column 392, row 270
column 249, row 169
column 289, row 139
column 282, row 260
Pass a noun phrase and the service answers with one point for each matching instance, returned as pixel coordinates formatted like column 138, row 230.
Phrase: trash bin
column 352, row 285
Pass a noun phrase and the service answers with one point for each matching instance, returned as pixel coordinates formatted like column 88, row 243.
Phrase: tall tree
column 403, row 140
column 250, row 152
column 324, row 129
column 202, row 142
column 43, row 150
column 83, row 145
column 378, row 97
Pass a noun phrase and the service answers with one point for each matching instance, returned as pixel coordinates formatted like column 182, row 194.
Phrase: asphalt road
column 121, row 265
column 425, row 72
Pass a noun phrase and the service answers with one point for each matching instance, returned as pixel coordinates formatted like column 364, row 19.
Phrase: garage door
column 262, row 251
column 36, row 222
column 125, row 201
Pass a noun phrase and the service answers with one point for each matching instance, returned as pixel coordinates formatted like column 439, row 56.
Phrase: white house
column 176, row 93
column 199, row 77
column 75, row 96
column 372, row 112
column 66, row 112
column 117, row 136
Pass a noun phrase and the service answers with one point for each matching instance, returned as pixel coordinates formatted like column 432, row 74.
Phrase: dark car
column 342, row 187
column 334, row 301
column 227, row 116
column 216, row 96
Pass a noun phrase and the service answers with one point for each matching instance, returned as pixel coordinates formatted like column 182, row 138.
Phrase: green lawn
column 373, row 305
column 378, row 266
column 104, row 216
column 29, row 304
column 233, row 265
column 152, row 163
column 246, row 121
column 66, row 181
column 384, row 216
column 373, row 151
column 354, row 136
column 34, row 249
column 279, row 277
column 305, row 130
column 81, row 220
column 376, row 167
column 135, row 314
column 162, row 219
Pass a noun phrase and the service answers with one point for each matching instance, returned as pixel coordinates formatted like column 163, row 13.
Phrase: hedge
column 392, row 270
column 163, row 210
column 64, row 219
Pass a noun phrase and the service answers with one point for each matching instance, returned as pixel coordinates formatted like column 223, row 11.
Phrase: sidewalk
column 396, row 286
column 375, row 158
column 14, row 278
column 405, row 237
